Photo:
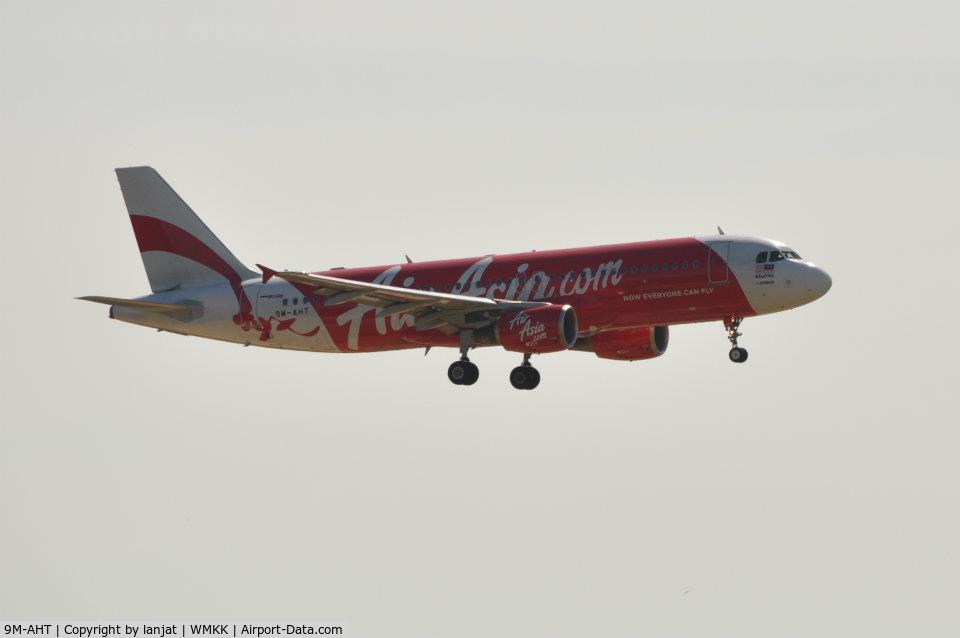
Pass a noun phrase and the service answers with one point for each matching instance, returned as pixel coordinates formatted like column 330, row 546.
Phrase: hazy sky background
column 811, row 491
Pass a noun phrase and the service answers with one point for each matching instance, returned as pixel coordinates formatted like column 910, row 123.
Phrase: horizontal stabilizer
column 177, row 310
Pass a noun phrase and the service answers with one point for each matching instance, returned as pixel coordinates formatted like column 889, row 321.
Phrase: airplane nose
column 818, row 282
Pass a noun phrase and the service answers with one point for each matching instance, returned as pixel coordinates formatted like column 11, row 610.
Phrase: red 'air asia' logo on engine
column 529, row 331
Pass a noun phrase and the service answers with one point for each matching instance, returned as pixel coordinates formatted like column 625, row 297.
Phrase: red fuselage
column 616, row 300
column 616, row 286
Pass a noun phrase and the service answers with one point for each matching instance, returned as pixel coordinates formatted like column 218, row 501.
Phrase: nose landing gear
column 732, row 324
column 525, row 376
column 738, row 355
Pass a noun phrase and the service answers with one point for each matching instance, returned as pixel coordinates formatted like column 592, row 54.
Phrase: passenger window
column 296, row 300
column 285, row 301
column 762, row 257
column 696, row 264
column 633, row 269
column 644, row 268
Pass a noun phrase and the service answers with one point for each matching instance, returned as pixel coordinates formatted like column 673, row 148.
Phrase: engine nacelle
column 630, row 344
column 538, row 330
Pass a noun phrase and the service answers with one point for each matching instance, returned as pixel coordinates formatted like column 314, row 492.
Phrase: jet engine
column 538, row 330
column 630, row 344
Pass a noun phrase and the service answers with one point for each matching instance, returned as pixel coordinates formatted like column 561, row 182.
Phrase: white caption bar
column 165, row 630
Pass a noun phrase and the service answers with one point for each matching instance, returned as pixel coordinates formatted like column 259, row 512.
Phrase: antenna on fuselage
column 409, row 261
column 720, row 230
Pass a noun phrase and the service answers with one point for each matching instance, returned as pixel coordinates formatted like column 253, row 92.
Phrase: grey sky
column 811, row 491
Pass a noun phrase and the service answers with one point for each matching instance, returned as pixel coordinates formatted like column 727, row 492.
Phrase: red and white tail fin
column 178, row 249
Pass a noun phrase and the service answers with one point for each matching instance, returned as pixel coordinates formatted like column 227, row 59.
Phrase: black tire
column 457, row 372
column 519, row 377
column 738, row 355
column 473, row 373
column 534, row 379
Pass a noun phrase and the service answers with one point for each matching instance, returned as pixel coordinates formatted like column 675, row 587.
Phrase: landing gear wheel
column 463, row 373
column 474, row 373
column 534, row 380
column 732, row 324
column 524, row 377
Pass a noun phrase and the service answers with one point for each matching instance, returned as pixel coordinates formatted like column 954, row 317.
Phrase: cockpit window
column 776, row 255
column 790, row 254
column 762, row 257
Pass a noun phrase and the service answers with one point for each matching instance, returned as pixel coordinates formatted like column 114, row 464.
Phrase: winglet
column 268, row 273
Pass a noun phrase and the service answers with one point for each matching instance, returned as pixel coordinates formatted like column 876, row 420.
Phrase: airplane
column 616, row 301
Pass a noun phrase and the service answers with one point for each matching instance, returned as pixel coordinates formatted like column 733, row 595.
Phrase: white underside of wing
column 339, row 290
column 438, row 310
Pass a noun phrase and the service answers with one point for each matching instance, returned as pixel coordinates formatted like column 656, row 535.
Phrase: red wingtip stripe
column 268, row 273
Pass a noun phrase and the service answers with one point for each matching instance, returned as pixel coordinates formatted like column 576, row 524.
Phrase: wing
column 444, row 311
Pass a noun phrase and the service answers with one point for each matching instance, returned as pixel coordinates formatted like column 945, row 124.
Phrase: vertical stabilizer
column 177, row 248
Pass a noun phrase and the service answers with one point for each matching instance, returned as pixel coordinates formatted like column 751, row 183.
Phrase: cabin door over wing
column 717, row 270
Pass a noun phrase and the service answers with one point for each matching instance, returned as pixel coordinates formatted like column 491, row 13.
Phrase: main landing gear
column 732, row 324
column 464, row 372
column 525, row 376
